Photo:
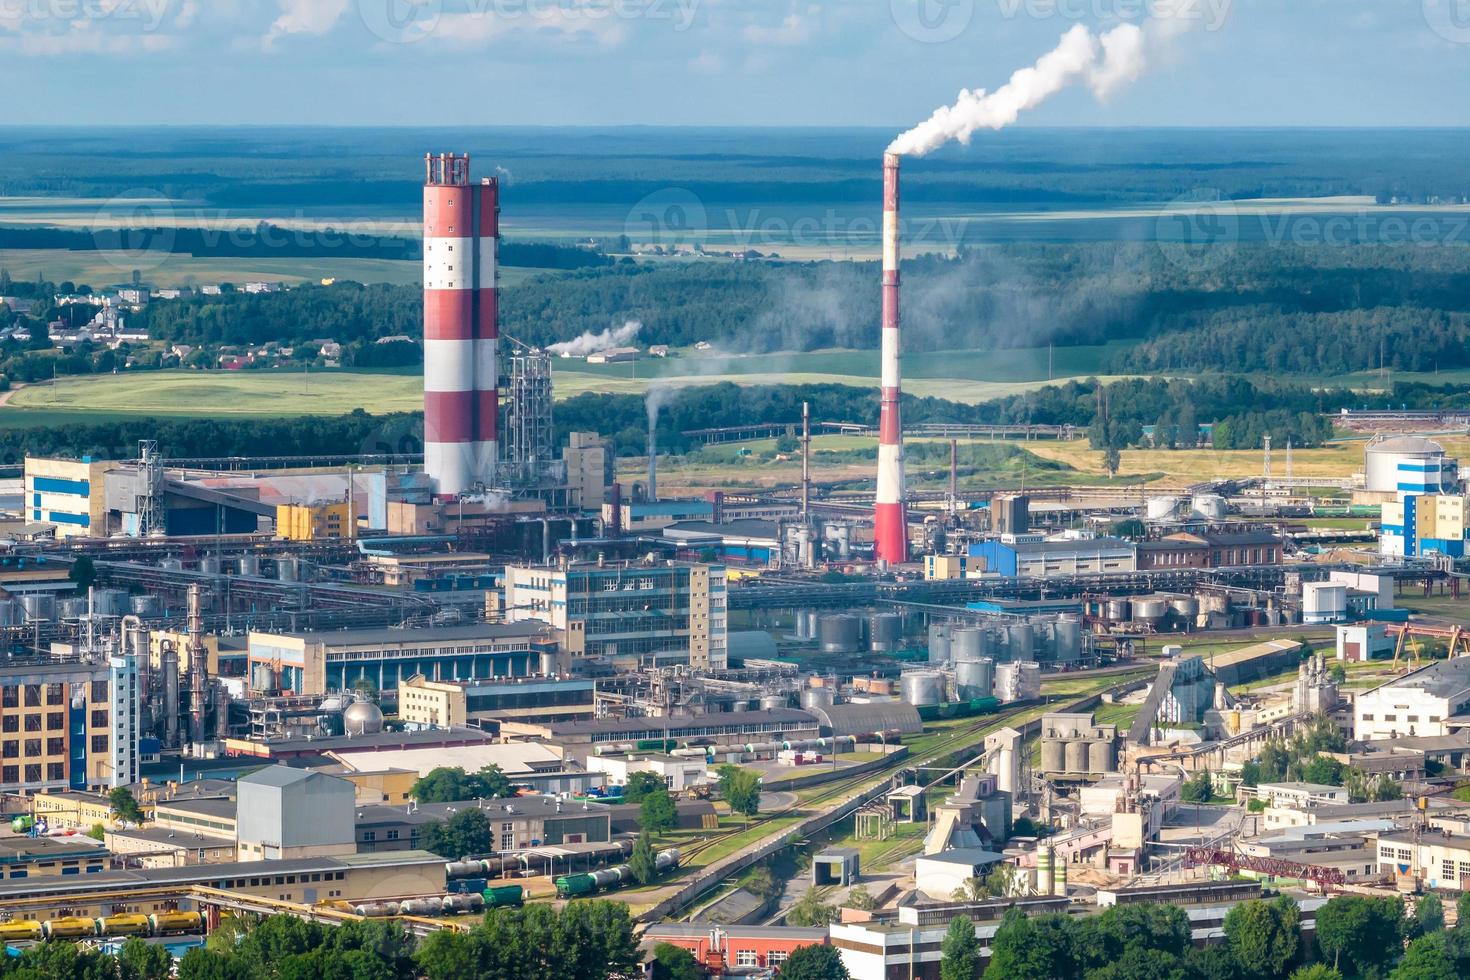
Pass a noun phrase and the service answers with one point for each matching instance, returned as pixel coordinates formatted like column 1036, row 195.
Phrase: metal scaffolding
column 529, row 437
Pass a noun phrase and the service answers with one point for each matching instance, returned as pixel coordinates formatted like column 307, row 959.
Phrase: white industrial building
column 1418, row 703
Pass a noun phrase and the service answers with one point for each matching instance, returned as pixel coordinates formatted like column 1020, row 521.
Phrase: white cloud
column 313, row 17
column 795, row 28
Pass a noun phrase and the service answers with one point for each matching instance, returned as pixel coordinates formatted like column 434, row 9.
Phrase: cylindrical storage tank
column 1162, row 508
column 73, row 608
column 146, row 606
column 286, row 568
column 1210, row 506
column 464, row 869
column 1076, row 757
column 1054, row 756
column 816, row 697
column 171, row 565
column 1119, row 610
column 38, row 607
column 11, row 613
column 1059, row 875
column 209, row 565
column 1044, row 881
column 1029, row 680
column 250, row 565
column 1150, row 609
column 70, row 928
column 1100, row 757
column 922, row 688
column 666, row 860
column 939, row 645
column 175, row 922
column 421, row 906
column 880, row 686
column 774, row 702
column 1185, row 608
column 885, row 632
column 967, row 644
column 1021, row 641
column 461, row 904
column 1067, row 631
column 124, row 924
column 607, row 878
column 377, row 910
column 974, row 678
column 839, row 634
column 109, row 602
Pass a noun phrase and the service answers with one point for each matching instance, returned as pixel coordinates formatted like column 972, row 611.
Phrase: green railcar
column 508, row 896
column 573, row 886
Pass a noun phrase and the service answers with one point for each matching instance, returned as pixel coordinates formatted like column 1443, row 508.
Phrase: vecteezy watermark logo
column 932, row 21
column 401, row 21
column 1450, row 19
column 398, row 439
column 147, row 14
column 1198, row 231
column 673, row 218
column 135, row 231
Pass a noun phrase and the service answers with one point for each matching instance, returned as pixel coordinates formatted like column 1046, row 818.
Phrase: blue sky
column 719, row 62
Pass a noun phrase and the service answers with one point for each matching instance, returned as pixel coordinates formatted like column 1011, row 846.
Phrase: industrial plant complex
column 947, row 704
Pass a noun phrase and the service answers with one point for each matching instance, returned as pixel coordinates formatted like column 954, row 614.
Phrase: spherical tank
column 1076, row 757
column 975, row 678
column 1053, row 756
column 1100, row 757
column 939, row 645
column 885, row 630
column 922, row 687
column 362, row 718
column 838, row 634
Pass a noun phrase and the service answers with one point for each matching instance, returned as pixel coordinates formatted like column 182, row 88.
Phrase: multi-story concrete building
column 632, row 615
column 67, row 493
column 451, row 704
column 317, row 663
column 68, row 725
column 315, row 522
column 1433, row 860
column 1416, row 703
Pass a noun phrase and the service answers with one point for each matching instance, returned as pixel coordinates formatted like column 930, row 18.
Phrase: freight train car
column 610, row 879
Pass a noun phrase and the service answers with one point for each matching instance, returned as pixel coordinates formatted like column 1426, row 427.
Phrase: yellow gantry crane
column 1410, row 635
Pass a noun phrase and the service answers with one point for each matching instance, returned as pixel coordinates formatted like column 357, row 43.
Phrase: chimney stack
column 890, row 524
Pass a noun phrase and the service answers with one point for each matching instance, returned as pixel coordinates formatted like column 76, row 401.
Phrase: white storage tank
column 1161, row 508
column 1324, row 602
column 1150, row 609
column 922, row 688
column 1389, row 462
column 939, row 643
column 1210, row 506
column 974, row 678
column 967, row 644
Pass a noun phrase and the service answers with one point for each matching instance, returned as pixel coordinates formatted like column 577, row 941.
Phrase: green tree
column 810, row 911
column 144, row 960
column 1150, row 927
column 641, row 784
column 1264, row 937
column 204, row 964
column 83, row 573
column 1462, row 911
column 1198, row 788
column 960, row 952
column 742, row 791
column 973, row 890
column 1141, row 963
column 643, row 861
column 98, row 832
column 1002, row 880
column 817, row 962
column 466, row 832
column 1360, row 934
column 861, row 899
column 1316, row 971
column 675, row 963
column 657, row 813
column 1429, row 914
column 1040, row 948
column 454, row 785
column 1443, row 955
column 125, row 805
column 448, row 955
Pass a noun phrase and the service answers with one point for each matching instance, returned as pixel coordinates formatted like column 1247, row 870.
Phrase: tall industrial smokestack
column 461, row 326
column 890, row 522
column 653, row 457
column 198, row 665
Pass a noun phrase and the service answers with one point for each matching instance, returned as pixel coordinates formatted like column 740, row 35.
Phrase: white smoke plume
column 1104, row 63
column 592, row 343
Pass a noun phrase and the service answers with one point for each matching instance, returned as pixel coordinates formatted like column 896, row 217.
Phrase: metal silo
column 109, row 602
column 1076, row 756
column 775, row 702
column 975, row 678
column 250, row 565
column 966, row 644
column 838, row 634
column 1068, row 633
column 1101, row 758
column 816, row 697
column 209, row 565
column 1150, row 610
column 1119, row 610
column 922, row 688
column 11, row 612
column 939, row 643
column 885, row 632
column 1021, row 641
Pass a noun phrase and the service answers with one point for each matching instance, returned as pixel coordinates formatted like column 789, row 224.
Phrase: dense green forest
column 1261, row 309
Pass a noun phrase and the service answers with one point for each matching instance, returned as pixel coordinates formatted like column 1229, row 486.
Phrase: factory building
column 579, row 739
column 315, row 522
column 453, row 704
column 633, row 615
column 319, row 663
column 68, row 725
column 67, row 493
column 1421, row 702
column 1426, row 524
column 284, row 813
column 1032, row 556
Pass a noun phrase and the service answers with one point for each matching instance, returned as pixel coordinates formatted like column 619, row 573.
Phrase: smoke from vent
column 1105, row 63
column 592, row 343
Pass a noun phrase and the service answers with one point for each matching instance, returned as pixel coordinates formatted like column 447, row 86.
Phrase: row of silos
column 1156, row 611
column 1053, row 639
column 847, row 633
column 1017, row 681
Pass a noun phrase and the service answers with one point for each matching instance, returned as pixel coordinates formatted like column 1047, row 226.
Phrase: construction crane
column 1325, row 878
column 1411, row 633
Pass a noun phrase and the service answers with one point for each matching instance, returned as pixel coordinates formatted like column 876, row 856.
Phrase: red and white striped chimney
column 890, row 520
column 461, row 326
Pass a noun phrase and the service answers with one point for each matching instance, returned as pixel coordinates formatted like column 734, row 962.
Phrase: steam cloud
column 592, row 343
column 1105, row 63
